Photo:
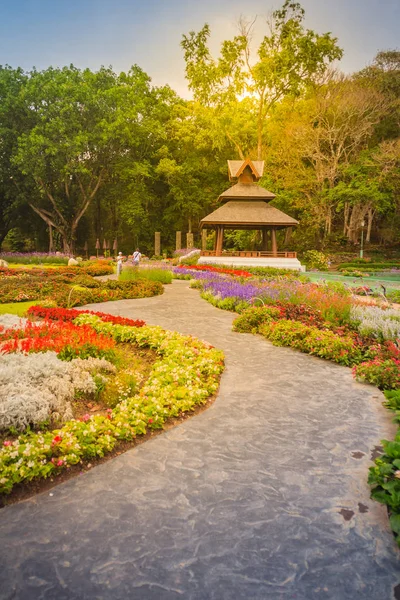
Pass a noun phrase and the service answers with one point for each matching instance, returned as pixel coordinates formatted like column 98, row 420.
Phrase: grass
column 130, row 274
column 374, row 281
column 16, row 308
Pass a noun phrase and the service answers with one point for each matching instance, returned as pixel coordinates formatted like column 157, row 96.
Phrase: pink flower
column 85, row 418
column 60, row 463
column 150, row 420
column 7, row 443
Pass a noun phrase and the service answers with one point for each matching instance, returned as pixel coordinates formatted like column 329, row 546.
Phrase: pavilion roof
column 248, row 214
column 236, row 168
column 244, row 191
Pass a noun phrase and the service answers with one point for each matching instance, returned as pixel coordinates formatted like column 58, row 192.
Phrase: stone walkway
column 261, row 497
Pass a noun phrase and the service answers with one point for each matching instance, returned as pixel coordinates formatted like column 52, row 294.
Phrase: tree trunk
column 288, row 235
column 370, row 216
column 260, row 123
column 51, row 242
column 346, row 218
column 190, row 224
column 328, row 221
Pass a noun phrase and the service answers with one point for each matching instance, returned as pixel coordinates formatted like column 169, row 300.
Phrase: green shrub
column 86, row 281
column 231, row 303
column 393, row 296
column 196, row 284
column 314, row 259
column 322, row 343
column 191, row 260
column 369, row 266
column 392, row 399
column 385, row 374
column 252, row 318
column 338, row 287
column 130, row 274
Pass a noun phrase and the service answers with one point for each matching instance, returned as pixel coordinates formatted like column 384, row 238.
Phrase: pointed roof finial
column 237, row 167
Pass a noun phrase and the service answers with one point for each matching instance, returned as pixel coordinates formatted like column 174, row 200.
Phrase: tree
column 289, row 58
column 338, row 120
column 13, row 120
column 85, row 125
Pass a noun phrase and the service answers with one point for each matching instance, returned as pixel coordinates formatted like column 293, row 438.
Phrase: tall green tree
column 86, row 124
column 288, row 59
column 14, row 119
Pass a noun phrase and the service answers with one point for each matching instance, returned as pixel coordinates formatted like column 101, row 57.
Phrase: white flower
column 44, row 387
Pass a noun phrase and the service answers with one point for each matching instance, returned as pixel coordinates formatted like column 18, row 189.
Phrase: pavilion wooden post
column 219, row 242
column 178, row 241
column 274, row 244
column 265, row 239
column 216, row 241
column 204, row 239
column 189, row 240
column 157, row 243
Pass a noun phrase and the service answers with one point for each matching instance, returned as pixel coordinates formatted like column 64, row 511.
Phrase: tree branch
column 53, row 202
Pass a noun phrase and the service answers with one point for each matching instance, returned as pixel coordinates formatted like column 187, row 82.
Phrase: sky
column 120, row 33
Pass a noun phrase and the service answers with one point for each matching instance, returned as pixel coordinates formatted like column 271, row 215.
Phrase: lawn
column 16, row 308
column 389, row 280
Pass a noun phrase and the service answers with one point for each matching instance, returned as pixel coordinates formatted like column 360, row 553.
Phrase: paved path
column 263, row 496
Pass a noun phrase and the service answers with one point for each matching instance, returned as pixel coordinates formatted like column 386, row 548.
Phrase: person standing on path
column 136, row 257
column 120, row 258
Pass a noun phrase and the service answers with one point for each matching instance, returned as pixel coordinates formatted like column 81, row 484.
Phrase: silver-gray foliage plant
column 35, row 387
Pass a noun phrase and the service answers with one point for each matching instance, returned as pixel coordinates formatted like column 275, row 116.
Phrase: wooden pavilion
column 246, row 206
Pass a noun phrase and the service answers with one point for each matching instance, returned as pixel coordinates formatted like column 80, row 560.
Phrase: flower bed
column 185, row 375
column 35, row 258
column 375, row 322
column 65, row 314
column 44, row 388
column 324, row 321
column 87, row 268
column 62, row 290
column 323, row 343
column 223, row 270
column 233, row 294
column 67, row 339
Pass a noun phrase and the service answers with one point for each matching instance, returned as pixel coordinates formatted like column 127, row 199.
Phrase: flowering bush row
column 322, row 343
column 223, row 270
column 68, row 294
column 322, row 321
column 384, row 373
column 333, row 304
column 185, row 375
column 384, row 477
column 35, row 257
column 67, row 339
column 87, row 268
column 65, row 314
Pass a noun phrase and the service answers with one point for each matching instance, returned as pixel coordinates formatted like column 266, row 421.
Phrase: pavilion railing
column 251, row 254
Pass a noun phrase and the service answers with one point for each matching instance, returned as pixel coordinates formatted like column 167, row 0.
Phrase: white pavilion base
column 245, row 261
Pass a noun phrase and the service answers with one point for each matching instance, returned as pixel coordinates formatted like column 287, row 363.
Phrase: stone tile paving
column 261, row 497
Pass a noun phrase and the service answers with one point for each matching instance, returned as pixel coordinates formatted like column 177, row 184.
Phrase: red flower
column 69, row 314
column 57, row 439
